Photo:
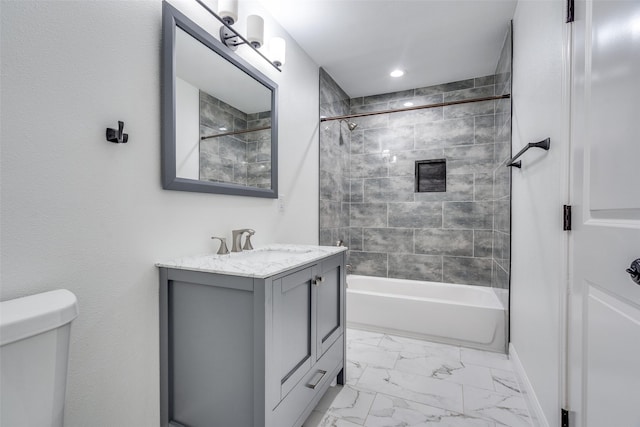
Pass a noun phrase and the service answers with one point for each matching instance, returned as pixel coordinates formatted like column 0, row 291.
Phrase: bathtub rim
column 497, row 303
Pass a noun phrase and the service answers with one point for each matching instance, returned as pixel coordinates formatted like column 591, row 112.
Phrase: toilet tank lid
column 25, row 317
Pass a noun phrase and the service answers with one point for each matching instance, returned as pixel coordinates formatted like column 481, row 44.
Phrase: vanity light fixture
column 228, row 11
column 397, row 73
column 228, row 15
column 255, row 30
column 277, row 50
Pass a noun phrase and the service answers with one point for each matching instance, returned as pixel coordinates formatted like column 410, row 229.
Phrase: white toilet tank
column 34, row 351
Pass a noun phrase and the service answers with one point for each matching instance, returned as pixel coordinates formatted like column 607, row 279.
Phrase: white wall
column 81, row 213
column 539, row 190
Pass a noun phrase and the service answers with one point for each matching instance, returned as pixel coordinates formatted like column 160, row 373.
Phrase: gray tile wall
column 444, row 237
column 335, row 143
column 367, row 183
column 243, row 159
column 501, row 239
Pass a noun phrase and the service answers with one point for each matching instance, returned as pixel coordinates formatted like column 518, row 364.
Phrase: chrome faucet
column 237, row 239
column 247, row 242
column 223, row 250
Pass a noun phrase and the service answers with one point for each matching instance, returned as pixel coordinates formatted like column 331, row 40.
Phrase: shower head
column 351, row 125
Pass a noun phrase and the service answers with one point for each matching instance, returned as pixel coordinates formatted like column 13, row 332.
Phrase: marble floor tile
column 390, row 411
column 485, row 358
column 412, row 345
column 364, row 337
column 397, row 381
column 354, row 371
column 330, row 395
column 445, row 369
column 505, row 382
column 346, row 403
column 504, row 409
column 371, row 355
column 416, row 388
column 320, row 419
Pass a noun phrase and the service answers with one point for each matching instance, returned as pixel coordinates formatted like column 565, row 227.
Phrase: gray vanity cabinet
column 293, row 335
column 330, row 299
column 250, row 352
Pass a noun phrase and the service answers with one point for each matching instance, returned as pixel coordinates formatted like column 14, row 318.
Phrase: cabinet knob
column 318, row 280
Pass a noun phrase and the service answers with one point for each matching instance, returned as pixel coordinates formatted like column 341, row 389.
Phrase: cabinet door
column 293, row 335
column 330, row 313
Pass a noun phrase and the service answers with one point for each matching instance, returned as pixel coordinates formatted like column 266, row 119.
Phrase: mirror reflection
column 222, row 118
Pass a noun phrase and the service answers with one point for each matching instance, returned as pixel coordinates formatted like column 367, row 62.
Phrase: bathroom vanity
column 251, row 339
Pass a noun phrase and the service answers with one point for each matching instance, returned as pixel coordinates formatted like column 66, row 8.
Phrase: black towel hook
column 117, row 136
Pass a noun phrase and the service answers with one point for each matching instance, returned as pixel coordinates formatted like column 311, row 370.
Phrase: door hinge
column 564, row 418
column 566, row 217
column 570, row 16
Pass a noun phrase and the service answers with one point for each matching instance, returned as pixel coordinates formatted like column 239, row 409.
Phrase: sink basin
column 292, row 250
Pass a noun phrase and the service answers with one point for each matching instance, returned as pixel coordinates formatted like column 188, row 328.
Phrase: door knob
column 634, row 271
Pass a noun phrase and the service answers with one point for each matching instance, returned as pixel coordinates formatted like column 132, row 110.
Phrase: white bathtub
column 471, row 316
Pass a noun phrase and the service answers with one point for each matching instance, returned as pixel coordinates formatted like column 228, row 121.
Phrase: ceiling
column 359, row 42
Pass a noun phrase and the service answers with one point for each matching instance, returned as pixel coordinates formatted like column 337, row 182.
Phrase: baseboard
column 533, row 405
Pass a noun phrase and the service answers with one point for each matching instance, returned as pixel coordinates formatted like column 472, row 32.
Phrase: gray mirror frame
column 171, row 19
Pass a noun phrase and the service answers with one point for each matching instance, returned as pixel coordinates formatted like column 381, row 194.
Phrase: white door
column 604, row 303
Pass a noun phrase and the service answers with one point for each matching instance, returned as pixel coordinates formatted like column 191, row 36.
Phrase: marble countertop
column 259, row 263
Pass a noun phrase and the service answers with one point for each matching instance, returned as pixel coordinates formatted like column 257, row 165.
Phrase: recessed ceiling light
column 222, row 128
column 396, row 73
column 408, row 104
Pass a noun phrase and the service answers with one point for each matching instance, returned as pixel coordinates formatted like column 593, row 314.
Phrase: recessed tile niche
column 431, row 176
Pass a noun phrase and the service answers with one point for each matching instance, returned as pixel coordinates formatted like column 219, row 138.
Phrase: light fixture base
column 229, row 38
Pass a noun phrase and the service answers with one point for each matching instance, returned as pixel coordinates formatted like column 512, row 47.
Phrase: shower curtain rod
column 235, row 132
column 417, row 107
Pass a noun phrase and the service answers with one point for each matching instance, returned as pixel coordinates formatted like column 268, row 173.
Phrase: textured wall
column 81, row 213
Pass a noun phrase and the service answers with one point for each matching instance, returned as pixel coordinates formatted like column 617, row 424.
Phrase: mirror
column 219, row 116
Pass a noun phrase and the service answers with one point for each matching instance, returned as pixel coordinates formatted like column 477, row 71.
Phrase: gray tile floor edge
column 397, row 381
